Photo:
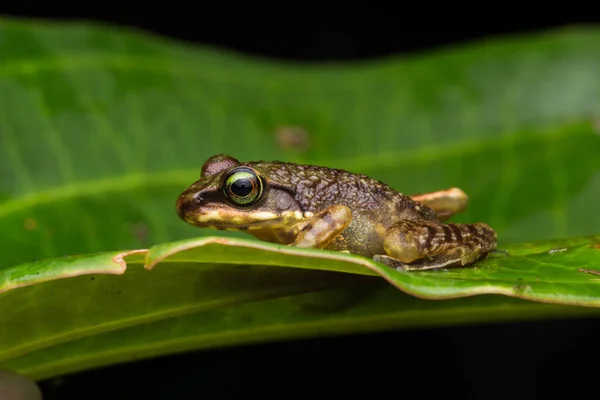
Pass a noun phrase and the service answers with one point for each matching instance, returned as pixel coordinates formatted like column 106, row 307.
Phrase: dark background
column 520, row 360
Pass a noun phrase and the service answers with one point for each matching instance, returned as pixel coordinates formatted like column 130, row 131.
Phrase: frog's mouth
column 225, row 218
column 207, row 209
column 234, row 219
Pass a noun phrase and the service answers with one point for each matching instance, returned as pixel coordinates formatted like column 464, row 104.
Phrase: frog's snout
column 186, row 204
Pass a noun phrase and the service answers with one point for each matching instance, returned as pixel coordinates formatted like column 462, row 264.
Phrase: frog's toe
column 390, row 262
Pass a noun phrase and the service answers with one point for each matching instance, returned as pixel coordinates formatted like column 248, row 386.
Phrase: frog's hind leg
column 445, row 203
column 421, row 244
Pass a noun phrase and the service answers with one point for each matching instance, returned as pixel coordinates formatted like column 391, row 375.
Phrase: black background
column 520, row 360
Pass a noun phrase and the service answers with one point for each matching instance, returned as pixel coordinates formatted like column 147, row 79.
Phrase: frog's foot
column 422, row 245
column 426, row 263
column 391, row 262
column 323, row 227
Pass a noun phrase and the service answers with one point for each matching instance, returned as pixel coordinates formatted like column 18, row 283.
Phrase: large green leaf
column 248, row 296
column 101, row 129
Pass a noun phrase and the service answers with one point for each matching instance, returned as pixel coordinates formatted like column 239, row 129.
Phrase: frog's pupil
column 242, row 187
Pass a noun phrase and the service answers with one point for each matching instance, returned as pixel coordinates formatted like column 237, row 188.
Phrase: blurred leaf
column 101, row 129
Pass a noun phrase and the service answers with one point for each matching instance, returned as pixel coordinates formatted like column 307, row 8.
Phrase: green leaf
column 250, row 296
column 553, row 272
column 101, row 129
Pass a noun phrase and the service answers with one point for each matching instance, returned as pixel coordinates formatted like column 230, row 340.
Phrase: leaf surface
column 233, row 291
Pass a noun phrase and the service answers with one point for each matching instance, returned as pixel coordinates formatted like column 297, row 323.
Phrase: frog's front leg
column 323, row 227
column 422, row 244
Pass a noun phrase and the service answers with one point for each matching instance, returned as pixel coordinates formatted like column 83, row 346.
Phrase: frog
column 312, row 206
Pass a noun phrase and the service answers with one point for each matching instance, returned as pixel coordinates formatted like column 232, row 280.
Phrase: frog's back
column 316, row 188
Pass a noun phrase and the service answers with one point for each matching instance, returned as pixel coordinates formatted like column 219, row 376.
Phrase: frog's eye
column 243, row 186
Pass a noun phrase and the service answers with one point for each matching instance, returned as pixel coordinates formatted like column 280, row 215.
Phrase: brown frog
column 320, row 207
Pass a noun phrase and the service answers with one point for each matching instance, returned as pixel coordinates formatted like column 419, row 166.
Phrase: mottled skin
column 312, row 206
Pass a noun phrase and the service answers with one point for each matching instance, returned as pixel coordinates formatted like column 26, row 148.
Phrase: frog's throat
column 246, row 220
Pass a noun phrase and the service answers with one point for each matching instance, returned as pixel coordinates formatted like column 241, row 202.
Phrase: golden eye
column 243, row 186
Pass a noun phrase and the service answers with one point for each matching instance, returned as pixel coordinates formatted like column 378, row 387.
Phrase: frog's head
column 234, row 195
